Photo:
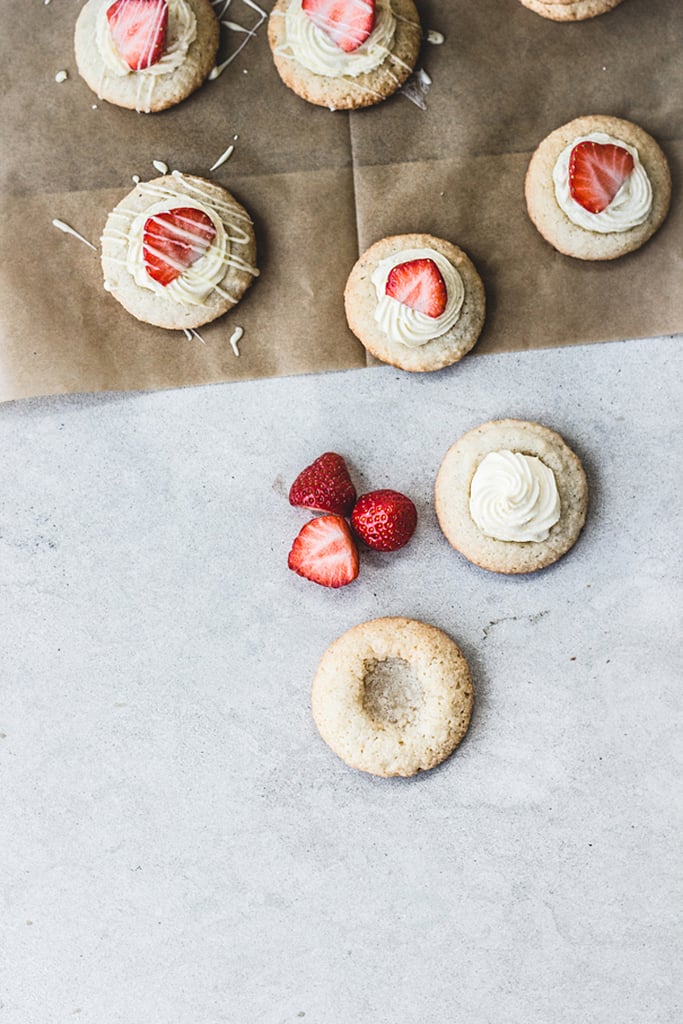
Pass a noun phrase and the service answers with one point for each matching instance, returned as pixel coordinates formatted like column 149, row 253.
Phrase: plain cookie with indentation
column 393, row 696
column 321, row 72
column 511, row 496
column 188, row 59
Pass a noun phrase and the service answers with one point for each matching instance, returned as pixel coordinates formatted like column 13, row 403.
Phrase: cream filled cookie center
column 318, row 53
column 182, row 31
column 514, row 497
column 408, row 326
column 392, row 693
column 630, row 206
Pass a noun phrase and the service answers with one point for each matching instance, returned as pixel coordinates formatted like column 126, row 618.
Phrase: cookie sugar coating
column 361, row 300
column 553, row 223
column 393, row 696
column 453, row 487
column 349, row 92
column 148, row 91
column 232, row 272
column 570, row 10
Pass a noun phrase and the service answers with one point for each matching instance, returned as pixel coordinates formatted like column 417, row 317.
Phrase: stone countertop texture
column 180, row 846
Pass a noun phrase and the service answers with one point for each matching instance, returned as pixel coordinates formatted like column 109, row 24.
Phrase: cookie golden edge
column 384, row 749
column 452, row 491
column 360, row 301
column 570, row 10
column 158, row 310
column 551, row 221
column 350, row 93
column 170, row 89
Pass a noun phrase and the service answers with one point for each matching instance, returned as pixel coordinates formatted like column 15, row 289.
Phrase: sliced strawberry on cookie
column 419, row 285
column 324, row 486
column 138, row 29
column 385, row 520
column 348, row 23
column 173, row 240
column 325, row 552
column 596, row 173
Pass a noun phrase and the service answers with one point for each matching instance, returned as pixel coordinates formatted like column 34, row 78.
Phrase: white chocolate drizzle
column 160, row 166
column 61, row 226
column 233, row 26
column 435, row 38
column 61, row 76
column 193, row 335
column 235, row 338
column 182, row 32
column 223, row 157
column 124, row 233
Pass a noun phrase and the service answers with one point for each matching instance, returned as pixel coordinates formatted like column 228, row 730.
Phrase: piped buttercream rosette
column 407, row 325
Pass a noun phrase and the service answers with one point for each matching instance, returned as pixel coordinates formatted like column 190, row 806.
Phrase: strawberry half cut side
column 324, row 486
column 596, row 173
column 325, row 552
column 348, row 23
column 138, row 29
column 173, row 240
column 419, row 285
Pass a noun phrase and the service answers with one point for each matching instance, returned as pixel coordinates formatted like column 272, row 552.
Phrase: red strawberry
column 418, row 284
column 325, row 552
column 348, row 23
column 596, row 173
column 138, row 29
column 385, row 520
column 172, row 241
column 324, row 486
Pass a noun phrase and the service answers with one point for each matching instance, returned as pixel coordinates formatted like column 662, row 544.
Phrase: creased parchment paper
column 321, row 187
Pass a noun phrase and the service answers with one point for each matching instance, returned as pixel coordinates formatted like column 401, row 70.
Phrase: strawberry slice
column 173, row 240
column 138, row 29
column 348, row 23
column 419, row 285
column 324, row 486
column 325, row 552
column 596, row 173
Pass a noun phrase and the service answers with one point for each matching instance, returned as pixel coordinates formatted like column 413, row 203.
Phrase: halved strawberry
column 138, row 29
column 596, row 173
column 173, row 240
column 419, row 285
column 325, row 552
column 348, row 23
column 324, row 486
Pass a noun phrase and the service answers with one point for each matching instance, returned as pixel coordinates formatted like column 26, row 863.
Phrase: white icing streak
column 248, row 33
column 235, row 338
column 222, row 158
column 160, row 166
column 61, row 226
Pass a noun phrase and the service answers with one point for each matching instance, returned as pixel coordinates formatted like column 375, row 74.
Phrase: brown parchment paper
column 321, row 187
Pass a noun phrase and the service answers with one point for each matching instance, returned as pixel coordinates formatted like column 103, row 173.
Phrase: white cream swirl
column 409, row 326
column 182, row 31
column 315, row 51
column 514, row 497
column 630, row 206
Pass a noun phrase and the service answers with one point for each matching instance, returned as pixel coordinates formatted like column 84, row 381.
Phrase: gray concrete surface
column 180, row 847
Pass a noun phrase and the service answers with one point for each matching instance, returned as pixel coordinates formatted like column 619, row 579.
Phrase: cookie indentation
column 392, row 692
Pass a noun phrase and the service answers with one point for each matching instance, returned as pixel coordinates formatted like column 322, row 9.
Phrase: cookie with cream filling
column 570, row 10
column 344, row 70
column 403, row 335
column 178, row 251
column 576, row 170
column 511, row 496
column 146, row 55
